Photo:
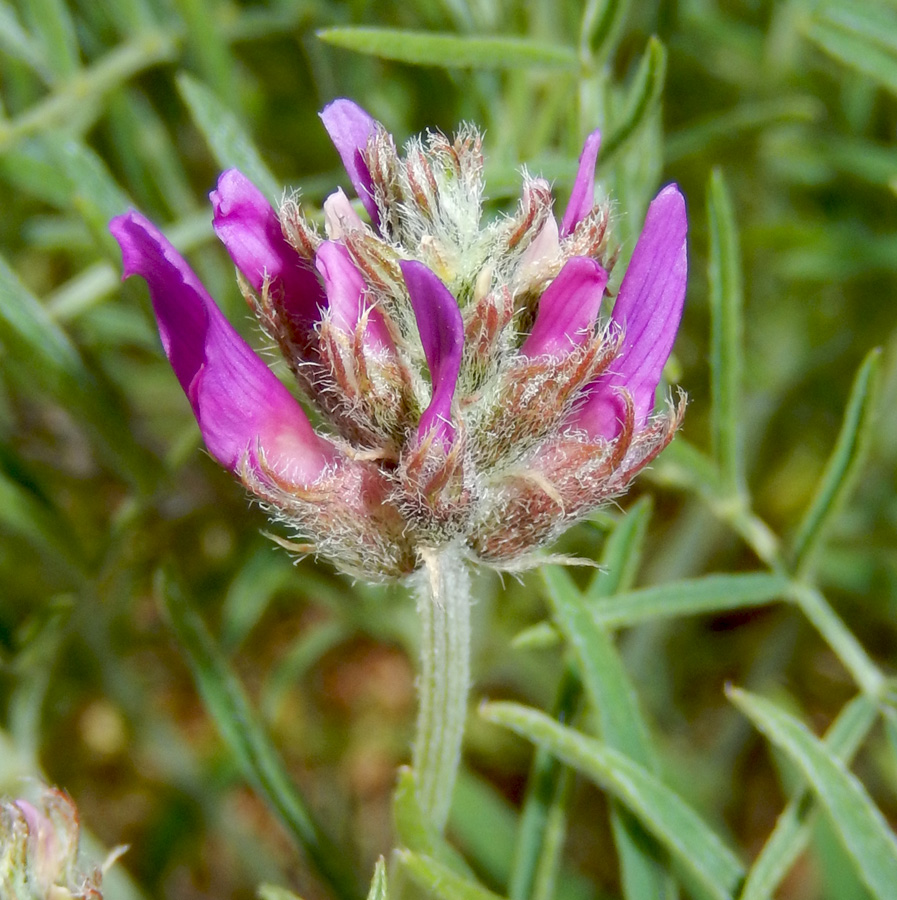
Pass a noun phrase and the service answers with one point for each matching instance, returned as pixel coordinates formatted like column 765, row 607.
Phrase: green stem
column 443, row 603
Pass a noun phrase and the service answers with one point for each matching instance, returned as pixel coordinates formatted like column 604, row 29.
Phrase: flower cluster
column 471, row 389
column 39, row 851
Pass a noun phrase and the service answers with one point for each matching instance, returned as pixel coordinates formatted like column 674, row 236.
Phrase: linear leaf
column 844, row 462
column 52, row 23
column 690, row 597
column 600, row 27
column 483, row 824
column 424, row 48
column 441, row 881
column 791, row 833
column 228, row 140
column 33, row 340
column 605, row 680
column 24, row 514
column 662, row 812
column 378, row 882
column 622, row 552
column 864, row 42
column 229, row 707
column 726, row 330
column 732, row 124
column 861, row 827
column 621, row 725
column 415, row 832
column 17, row 43
column 544, row 806
column 642, row 100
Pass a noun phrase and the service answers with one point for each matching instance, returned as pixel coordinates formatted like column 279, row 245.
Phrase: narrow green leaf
column 289, row 670
column 621, row 554
column 51, row 22
column 621, row 725
column 859, row 39
column 19, row 44
column 861, row 827
column 424, row 48
column 642, row 100
column 600, row 27
column 25, row 514
column 229, row 707
column 792, row 832
column 606, row 683
column 441, row 881
column 842, row 465
column 482, row 823
column 544, row 806
column 228, row 140
column 726, row 333
column 690, row 597
column 210, row 51
column 94, row 193
column 275, row 892
column 414, row 831
column 733, row 124
column 378, row 882
column 662, row 812
column 79, row 99
column 249, row 594
column 35, row 342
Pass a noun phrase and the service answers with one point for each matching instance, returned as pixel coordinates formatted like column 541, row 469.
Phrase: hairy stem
column 443, row 603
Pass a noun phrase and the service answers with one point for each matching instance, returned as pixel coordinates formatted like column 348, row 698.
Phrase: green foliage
column 759, row 552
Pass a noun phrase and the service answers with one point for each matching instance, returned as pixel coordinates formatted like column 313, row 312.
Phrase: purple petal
column 567, row 310
column 442, row 335
column 345, row 296
column 648, row 311
column 241, row 407
column 582, row 199
column 249, row 228
column 350, row 128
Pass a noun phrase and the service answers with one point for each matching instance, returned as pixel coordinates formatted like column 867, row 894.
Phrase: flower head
column 471, row 388
column 39, row 851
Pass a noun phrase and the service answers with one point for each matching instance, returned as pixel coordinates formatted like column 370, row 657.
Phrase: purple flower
column 470, row 388
column 647, row 312
column 246, row 416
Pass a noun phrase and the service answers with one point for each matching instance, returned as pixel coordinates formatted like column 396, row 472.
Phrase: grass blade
column 228, row 140
column 860, row 826
column 726, row 356
column 842, row 465
column 643, row 100
column 662, row 812
column 423, row 48
column 226, row 702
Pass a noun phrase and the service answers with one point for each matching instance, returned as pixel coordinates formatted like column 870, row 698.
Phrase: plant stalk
column 443, row 603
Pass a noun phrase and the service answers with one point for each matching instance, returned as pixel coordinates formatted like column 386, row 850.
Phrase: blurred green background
column 106, row 105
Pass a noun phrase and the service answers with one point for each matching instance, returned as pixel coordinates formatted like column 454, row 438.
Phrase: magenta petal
column 441, row 331
column 242, row 408
column 350, row 128
column 249, row 228
column 345, row 295
column 582, row 199
column 567, row 310
column 648, row 311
